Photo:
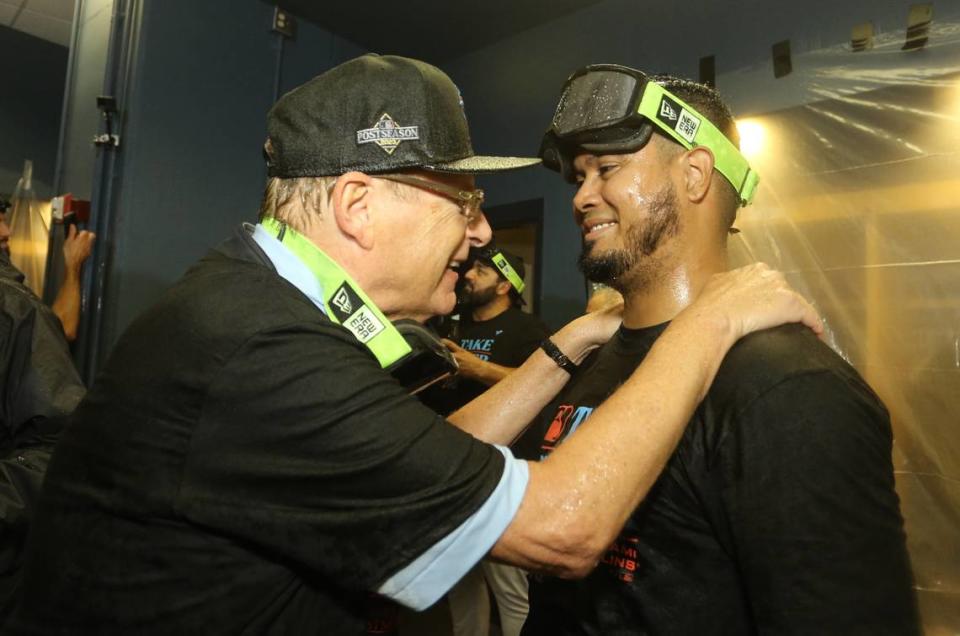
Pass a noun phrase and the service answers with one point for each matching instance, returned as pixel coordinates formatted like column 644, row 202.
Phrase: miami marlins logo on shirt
column 566, row 420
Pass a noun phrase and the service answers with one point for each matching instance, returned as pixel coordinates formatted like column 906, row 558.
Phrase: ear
column 350, row 203
column 697, row 173
column 503, row 288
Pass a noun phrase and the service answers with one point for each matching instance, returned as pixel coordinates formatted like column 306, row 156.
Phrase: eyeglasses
column 469, row 200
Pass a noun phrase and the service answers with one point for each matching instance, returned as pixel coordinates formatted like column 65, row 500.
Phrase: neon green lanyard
column 501, row 263
column 345, row 302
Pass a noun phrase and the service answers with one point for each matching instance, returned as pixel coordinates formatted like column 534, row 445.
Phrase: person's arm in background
column 526, row 338
column 76, row 250
column 473, row 368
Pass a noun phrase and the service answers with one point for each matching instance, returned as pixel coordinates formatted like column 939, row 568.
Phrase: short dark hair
column 709, row 103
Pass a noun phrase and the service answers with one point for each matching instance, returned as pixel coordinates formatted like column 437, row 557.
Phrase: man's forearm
column 580, row 497
column 501, row 414
column 66, row 306
column 486, row 372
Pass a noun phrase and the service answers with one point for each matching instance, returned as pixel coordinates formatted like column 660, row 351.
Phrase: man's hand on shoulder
column 749, row 299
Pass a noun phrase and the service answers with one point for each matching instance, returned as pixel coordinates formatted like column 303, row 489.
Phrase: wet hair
column 281, row 196
column 708, row 103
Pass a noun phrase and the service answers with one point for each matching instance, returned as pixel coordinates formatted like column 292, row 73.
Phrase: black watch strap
column 557, row 356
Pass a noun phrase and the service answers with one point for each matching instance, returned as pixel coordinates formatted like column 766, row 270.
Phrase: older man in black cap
column 245, row 462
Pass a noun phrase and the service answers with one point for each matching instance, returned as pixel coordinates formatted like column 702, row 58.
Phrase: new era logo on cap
column 387, row 134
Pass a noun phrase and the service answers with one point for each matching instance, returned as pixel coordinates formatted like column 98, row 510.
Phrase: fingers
column 758, row 297
column 451, row 345
column 77, row 246
column 809, row 316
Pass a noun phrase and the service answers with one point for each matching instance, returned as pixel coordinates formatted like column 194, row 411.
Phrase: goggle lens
column 594, row 100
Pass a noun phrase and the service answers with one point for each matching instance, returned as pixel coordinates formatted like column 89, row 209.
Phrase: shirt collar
column 290, row 268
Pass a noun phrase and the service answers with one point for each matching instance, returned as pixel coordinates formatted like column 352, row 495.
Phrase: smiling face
column 482, row 284
column 428, row 238
column 626, row 207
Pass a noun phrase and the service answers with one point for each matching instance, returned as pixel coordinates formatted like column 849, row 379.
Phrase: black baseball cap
column 509, row 266
column 375, row 114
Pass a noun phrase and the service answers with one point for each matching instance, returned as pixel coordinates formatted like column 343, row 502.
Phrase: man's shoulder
column 17, row 299
column 249, row 289
column 776, row 357
column 226, row 298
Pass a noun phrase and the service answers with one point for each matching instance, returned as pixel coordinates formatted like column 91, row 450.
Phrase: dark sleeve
column 307, row 449
column 814, row 518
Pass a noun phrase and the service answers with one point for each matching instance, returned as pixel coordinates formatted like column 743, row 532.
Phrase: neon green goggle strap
column 690, row 129
column 500, row 262
column 345, row 302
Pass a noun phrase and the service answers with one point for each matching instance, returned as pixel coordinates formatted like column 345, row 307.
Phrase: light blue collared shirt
column 428, row 577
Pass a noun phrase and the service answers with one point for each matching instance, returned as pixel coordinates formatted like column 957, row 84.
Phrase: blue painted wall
column 33, row 72
column 190, row 164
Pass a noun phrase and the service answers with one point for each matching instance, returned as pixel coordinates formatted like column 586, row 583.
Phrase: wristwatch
column 558, row 356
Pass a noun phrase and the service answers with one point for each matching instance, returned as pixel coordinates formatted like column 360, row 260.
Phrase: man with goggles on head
column 776, row 513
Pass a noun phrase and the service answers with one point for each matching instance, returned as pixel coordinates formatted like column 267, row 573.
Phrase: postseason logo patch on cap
column 387, row 134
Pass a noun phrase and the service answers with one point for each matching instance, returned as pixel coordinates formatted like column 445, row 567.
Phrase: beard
column 631, row 268
column 477, row 297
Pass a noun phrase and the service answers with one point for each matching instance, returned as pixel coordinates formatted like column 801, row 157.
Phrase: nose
column 479, row 232
column 586, row 198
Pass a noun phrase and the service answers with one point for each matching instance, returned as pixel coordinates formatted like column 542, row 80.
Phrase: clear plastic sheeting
column 29, row 222
column 859, row 202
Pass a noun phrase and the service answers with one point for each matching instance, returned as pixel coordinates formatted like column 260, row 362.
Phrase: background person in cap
column 776, row 514
column 493, row 335
column 245, row 462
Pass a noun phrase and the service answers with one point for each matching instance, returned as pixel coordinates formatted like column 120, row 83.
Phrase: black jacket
column 38, row 387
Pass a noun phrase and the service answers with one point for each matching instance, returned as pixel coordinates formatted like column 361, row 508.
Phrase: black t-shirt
column 507, row 339
column 242, row 465
column 775, row 515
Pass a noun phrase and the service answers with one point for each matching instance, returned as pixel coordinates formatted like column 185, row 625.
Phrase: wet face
column 428, row 238
column 4, row 234
column 626, row 207
column 480, row 284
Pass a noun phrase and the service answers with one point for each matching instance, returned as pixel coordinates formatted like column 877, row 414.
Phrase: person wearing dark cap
column 776, row 513
column 246, row 462
column 493, row 335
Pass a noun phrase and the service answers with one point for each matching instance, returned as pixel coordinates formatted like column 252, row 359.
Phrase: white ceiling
column 46, row 19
